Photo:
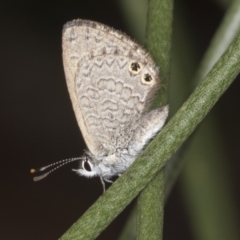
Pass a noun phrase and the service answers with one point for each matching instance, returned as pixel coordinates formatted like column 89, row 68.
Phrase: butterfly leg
column 103, row 184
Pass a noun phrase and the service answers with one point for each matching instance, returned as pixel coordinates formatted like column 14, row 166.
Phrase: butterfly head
column 87, row 168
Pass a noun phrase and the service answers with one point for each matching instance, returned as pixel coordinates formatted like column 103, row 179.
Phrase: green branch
column 158, row 40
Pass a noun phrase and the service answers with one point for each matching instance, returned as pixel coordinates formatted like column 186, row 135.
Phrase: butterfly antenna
column 57, row 165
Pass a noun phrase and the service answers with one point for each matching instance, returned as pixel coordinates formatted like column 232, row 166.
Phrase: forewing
column 110, row 80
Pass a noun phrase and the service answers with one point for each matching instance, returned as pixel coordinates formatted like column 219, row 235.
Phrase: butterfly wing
column 110, row 80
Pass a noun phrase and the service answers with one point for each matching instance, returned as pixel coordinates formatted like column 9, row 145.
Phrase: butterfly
column 111, row 81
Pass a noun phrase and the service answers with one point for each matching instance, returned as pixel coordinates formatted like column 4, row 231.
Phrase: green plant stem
column 158, row 41
column 151, row 209
column 142, row 171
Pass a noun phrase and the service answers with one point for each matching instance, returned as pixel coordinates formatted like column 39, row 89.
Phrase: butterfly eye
column 87, row 165
column 134, row 67
column 147, row 79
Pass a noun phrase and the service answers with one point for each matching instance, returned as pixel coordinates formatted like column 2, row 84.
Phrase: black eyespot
column 147, row 77
column 87, row 166
column 135, row 66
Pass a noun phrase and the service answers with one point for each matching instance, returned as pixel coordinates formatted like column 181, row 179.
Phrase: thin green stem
column 158, row 41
